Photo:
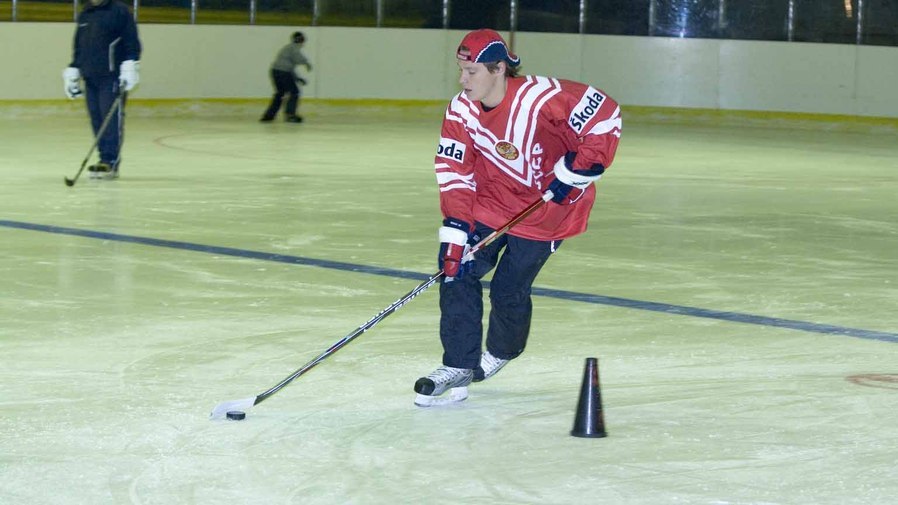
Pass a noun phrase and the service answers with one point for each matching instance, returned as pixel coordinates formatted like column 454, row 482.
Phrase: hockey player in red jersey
column 505, row 141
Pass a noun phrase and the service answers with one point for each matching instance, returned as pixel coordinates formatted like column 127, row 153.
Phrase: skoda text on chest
column 452, row 149
column 586, row 109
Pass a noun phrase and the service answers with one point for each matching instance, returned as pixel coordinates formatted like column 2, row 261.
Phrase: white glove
column 128, row 77
column 71, row 82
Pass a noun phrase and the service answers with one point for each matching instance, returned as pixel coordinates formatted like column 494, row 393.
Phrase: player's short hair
column 510, row 71
column 298, row 37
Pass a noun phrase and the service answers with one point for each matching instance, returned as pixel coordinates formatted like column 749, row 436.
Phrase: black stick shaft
column 433, row 279
column 115, row 105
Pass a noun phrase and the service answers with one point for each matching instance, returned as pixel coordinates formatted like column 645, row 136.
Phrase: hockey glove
column 454, row 235
column 128, row 74
column 71, row 82
column 301, row 81
column 567, row 179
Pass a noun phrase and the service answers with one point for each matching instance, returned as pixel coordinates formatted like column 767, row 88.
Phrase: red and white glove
column 454, row 235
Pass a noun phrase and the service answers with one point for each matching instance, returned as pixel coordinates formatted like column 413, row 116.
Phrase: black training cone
column 589, row 422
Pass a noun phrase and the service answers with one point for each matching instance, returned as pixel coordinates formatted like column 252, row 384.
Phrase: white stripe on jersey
column 608, row 125
column 445, row 177
column 519, row 129
column 528, row 151
column 453, row 118
column 450, row 187
column 453, row 180
column 515, row 108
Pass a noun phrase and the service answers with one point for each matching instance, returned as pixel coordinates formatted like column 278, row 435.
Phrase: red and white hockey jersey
column 492, row 164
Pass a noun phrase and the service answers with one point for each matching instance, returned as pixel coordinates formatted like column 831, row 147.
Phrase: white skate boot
column 444, row 378
column 489, row 365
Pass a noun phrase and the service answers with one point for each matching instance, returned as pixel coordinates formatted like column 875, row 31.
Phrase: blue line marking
column 735, row 317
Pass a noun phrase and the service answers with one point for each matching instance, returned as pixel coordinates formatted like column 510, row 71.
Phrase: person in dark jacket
column 106, row 56
column 284, row 78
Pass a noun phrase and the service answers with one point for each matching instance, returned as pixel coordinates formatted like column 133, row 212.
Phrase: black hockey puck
column 236, row 415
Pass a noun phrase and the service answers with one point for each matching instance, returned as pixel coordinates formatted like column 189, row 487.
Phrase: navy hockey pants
column 284, row 84
column 461, row 300
column 101, row 93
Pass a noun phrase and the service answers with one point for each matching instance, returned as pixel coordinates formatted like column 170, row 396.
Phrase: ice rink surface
column 738, row 284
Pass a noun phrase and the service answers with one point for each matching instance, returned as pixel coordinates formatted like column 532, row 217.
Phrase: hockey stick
column 115, row 105
column 222, row 409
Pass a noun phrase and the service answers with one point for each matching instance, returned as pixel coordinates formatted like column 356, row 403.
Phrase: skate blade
column 455, row 395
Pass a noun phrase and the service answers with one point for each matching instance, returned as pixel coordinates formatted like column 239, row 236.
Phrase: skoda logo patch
column 507, row 150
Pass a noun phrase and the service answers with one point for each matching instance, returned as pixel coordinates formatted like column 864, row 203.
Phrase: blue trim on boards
column 682, row 310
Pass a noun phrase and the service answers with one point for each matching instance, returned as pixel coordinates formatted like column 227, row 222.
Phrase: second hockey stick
column 112, row 109
column 223, row 408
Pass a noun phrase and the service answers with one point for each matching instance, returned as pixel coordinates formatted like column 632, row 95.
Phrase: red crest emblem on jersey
column 507, row 150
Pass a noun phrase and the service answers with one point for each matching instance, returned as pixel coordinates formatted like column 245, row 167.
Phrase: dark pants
column 101, row 93
column 461, row 301
column 284, row 84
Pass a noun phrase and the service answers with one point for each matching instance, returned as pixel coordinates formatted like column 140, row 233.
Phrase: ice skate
column 444, row 378
column 103, row 170
column 489, row 366
column 293, row 119
column 99, row 170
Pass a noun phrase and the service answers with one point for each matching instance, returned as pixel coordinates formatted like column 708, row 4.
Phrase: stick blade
column 69, row 182
column 223, row 408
